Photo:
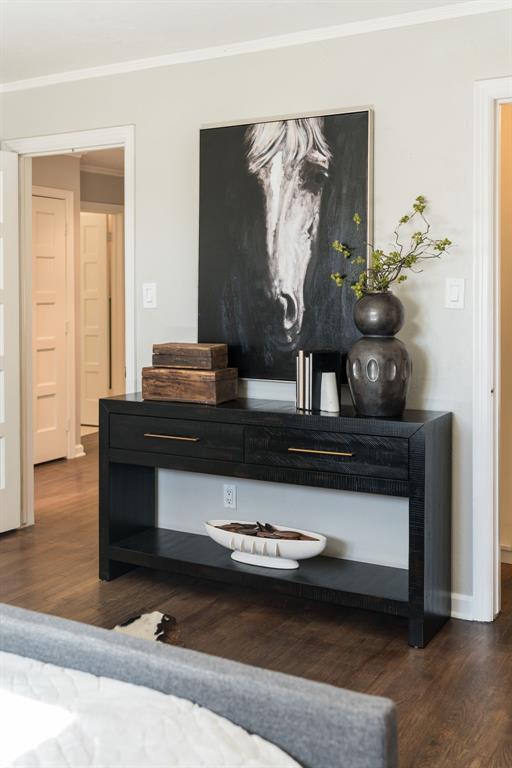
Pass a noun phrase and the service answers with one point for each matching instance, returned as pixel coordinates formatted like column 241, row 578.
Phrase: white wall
column 419, row 80
column 359, row 526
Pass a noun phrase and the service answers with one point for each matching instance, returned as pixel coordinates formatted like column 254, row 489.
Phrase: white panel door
column 49, row 328
column 10, row 468
column 94, row 305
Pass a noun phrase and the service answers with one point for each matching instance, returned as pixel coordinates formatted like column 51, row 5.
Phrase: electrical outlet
column 229, row 496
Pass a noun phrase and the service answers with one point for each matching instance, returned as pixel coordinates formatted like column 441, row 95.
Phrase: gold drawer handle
column 172, row 437
column 322, row 453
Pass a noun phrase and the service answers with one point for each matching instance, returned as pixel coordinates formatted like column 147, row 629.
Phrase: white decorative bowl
column 270, row 553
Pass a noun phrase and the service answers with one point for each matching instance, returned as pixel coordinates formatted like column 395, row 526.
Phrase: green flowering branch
column 387, row 268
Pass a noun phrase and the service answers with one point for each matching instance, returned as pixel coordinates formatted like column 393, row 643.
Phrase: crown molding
column 86, row 168
column 395, row 21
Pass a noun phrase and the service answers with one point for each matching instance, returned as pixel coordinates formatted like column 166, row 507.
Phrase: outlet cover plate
column 229, row 496
column 454, row 296
column 149, row 295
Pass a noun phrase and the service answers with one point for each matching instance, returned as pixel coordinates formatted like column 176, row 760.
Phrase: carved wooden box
column 180, row 355
column 190, row 386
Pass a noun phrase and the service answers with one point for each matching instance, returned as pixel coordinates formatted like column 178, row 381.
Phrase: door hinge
column 68, row 425
column 66, row 327
column 109, row 237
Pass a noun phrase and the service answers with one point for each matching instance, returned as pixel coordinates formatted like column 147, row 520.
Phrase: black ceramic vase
column 378, row 365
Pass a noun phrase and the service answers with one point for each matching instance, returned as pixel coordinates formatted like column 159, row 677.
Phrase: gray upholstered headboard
column 318, row 725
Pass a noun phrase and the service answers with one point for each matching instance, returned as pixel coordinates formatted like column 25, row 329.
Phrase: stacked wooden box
column 190, row 373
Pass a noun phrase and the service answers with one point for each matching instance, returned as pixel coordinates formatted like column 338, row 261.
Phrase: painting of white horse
column 273, row 196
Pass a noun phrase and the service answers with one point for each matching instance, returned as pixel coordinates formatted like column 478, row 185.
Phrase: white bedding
column 60, row 718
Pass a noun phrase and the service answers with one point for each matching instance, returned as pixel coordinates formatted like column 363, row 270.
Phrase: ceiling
column 111, row 159
column 40, row 37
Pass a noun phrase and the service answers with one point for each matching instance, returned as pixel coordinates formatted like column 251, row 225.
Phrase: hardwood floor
column 454, row 698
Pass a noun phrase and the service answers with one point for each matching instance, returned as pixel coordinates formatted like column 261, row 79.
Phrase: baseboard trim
column 79, row 451
column 462, row 606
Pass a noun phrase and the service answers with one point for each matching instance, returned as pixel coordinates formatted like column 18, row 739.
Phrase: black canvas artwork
column 273, row 197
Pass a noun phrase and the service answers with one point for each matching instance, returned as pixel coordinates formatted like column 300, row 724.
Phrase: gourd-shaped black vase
column 378, row 365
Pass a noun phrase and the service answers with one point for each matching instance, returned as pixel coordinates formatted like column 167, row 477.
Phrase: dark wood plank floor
column 454, row 698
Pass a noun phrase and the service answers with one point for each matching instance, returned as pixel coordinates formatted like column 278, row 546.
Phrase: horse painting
column 290, row 159
column 273, row 196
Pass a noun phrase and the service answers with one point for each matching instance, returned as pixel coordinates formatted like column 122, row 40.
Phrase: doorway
column 78, row 313
column 72, row 144
column 490, row 341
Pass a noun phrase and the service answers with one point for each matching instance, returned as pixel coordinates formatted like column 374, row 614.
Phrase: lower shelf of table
column 329, row 579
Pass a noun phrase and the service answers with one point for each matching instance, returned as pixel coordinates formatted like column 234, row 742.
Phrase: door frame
column 10, row 400
column 59, row 144
column 488, row 94
column 74, row 447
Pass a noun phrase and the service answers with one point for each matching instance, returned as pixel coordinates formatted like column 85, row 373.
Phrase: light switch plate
column 149, row 295
column 454, row 293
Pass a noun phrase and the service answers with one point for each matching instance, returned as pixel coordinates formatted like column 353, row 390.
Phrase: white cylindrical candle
column 329, row 400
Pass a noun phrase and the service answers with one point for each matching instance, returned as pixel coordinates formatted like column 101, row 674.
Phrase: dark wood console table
column 408, row 457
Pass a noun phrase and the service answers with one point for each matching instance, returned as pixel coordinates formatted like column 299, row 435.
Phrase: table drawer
column 196, row 439
column 386, row 457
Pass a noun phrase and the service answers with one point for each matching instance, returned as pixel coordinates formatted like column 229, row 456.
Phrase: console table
column 408, row 457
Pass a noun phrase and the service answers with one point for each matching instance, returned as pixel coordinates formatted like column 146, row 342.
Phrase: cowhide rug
column 152, row 626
